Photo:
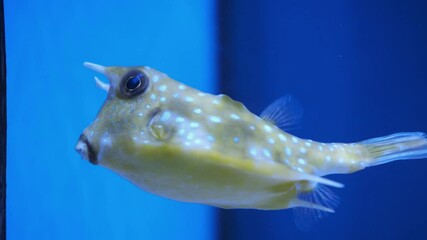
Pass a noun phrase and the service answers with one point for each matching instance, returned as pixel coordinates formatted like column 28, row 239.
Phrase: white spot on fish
column 201, row 94
column 320, row 147
column 179, row 119
column 155, row 78
column 181, row 87
column 162, row 99
column 194, row 124
column 140, row 114
column 190, row 135
column 236, row 139
column 197, row 110
column 301, row 161
column 165, row 116
column 282, row 137
column 189, row 99
column 253, row 151
column 175, row 95
column 211, row 139
column 308, row 144
column 252, row 127
column 288, row 151
column 271, row 141
column 234, row 116
column 267, row 128
column 153, row 97
column 266, row 152
column 302, row 150
column 215, row 119
column 162, row 88
column 299, row 169
column 215, row 102
column 181, row 132
column 106, row 140
column 147, row 106
column 294, row 139
column 331, row 149
column 328, row 158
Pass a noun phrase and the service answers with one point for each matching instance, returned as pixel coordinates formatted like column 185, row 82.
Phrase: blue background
column 359, row 69
column 52, row 193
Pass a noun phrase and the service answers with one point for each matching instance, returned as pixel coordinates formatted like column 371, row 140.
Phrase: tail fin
column 399, row 146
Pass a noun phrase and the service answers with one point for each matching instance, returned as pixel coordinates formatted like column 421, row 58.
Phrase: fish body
column 174, row 141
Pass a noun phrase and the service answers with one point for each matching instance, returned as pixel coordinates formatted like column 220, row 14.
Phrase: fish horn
column 100, row 69
column 96, row 67
column 104, row 86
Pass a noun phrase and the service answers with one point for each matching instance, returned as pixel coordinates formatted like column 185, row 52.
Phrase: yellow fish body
column 175, row 141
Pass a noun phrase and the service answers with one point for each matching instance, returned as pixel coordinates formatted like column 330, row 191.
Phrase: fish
column 175, row 141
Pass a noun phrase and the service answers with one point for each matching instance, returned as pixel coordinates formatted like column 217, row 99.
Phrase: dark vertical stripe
column 222, row 39
column 224, row 35
column 2, row 127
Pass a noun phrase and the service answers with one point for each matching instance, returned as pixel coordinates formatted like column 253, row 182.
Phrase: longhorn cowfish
column 174, row 141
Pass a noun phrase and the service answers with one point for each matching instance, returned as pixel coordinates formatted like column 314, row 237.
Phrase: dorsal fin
column 284, row 112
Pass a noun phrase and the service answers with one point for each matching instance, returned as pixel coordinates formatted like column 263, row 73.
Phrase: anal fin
column 306, row 204
column 311, row 206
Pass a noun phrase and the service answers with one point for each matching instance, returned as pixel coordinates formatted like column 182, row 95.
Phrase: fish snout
column 85, row 149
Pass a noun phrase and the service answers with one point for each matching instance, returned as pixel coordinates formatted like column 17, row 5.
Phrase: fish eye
column 134, row 83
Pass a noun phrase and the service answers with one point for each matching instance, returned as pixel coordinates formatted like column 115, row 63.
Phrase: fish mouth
column 85, row 149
